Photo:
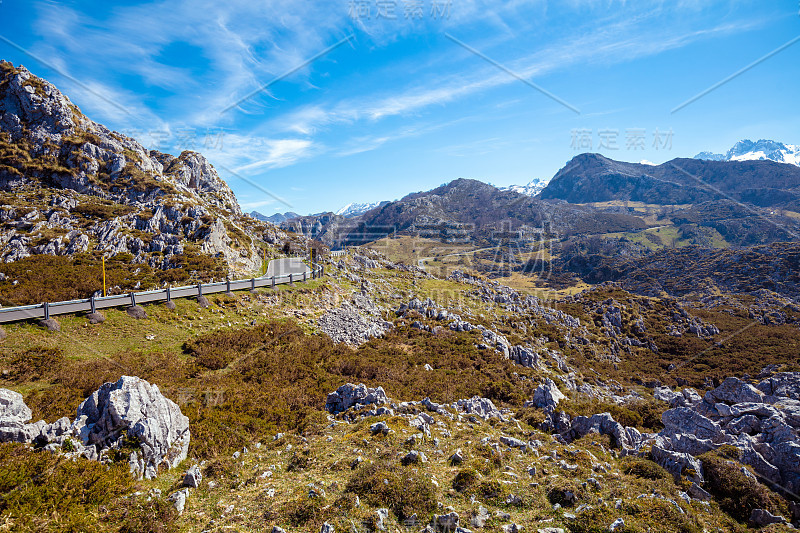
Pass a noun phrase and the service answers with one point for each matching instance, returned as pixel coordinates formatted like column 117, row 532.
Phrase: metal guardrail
column 90, row 305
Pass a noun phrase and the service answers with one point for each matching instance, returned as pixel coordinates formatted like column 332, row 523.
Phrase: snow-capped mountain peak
column 533, row 188
column 763, row 149
column 356, row 209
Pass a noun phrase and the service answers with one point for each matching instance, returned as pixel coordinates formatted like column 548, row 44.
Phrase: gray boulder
column 784, row 384
column 193, row 477
column 482, row 407
column 762, row 518
column 350, row 395
column 546, row 396
column 14, row 418
column 734, row 390
column 135, row 408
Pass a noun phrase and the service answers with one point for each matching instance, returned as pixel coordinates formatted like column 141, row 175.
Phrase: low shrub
column 643, row 468
column 465, row 479
column 737, row 493
column 56, row 492
column 403, row 491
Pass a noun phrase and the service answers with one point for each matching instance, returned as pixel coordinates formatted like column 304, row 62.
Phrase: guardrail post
column 199, row 289
column 46, row 307
column 252, row 284
column 322, row 271
column 92, row 304
column 305, row 276
column 291, row 278
column 169, row 293
column 228, row 284
column 273, row 282
column 133, row 299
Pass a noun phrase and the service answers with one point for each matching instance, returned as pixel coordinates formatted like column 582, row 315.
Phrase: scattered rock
column 617, row 524
column 381, row 516
column 379, row 428
column 2, row 333
column 413, row 457
column 178, row 499
column 327, row 528
column 457, row 458
column 445, row 523
column 202, row 301
column 193, row 477
column 51, row 324
column 170, row 305
column 96, row 318
column 762, row 517
column 350, row 395
column 482, row 407
column 511, row 528
column 136, row 311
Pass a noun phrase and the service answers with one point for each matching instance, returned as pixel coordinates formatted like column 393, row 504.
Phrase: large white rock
column 134, row 406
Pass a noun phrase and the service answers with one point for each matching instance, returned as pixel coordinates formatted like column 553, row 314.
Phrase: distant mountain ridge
column 276, row 219
column 761, row 150
column 591, row 178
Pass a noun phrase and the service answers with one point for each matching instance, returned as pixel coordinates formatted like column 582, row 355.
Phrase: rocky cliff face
column 70, row 185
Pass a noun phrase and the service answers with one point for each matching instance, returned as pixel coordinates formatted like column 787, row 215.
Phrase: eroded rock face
column 135, row 408
column 14, row 418
column 350, row 395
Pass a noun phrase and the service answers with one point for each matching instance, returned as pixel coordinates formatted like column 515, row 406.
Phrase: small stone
column 51, row 324
column 457, row 458
column 193, row 477
column 178, row 499
column 379, row 428
column 413, row 457
column 616, row 524
column 327, row 528
column 96, row 318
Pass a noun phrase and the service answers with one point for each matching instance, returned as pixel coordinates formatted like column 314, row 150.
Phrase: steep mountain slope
column 593, row 178
column 71, row 186
column 763, row 149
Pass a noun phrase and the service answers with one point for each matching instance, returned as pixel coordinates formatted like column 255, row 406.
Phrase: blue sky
column 412, row 94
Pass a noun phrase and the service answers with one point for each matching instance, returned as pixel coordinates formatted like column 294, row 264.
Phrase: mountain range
column 762, row 149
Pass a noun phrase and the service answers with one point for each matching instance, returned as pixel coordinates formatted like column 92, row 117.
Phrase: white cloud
column 279, row 153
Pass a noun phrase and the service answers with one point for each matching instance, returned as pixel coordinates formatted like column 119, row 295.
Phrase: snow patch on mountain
column 763, row 149
column 356, row 209
column 533, row 188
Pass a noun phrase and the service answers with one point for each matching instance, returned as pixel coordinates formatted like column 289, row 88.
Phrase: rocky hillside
column 383, row 397
column 70, row 186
